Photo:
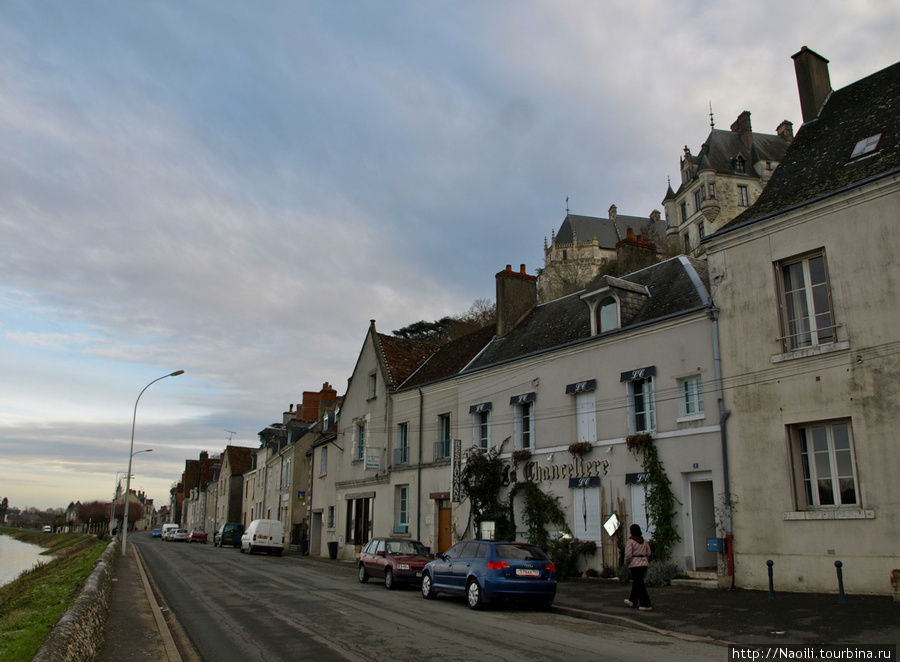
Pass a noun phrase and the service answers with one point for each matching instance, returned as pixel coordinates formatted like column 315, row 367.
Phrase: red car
column 197, row 536
column 397, row 560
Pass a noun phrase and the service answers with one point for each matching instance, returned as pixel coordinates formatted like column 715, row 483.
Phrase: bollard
column 771, row 584
column 842, row 600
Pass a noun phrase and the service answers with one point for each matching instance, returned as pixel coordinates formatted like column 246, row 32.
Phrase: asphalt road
column 233, row 606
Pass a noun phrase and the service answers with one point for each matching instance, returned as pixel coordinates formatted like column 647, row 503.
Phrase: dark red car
column 397, row 560
column 197, row 536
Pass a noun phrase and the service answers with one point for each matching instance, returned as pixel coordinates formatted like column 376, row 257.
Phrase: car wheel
column 427, row 587
column 545, row 604
column 389, row 579
column 278, row 553
column 242, row 549
column 363, row 575
column 473, row 595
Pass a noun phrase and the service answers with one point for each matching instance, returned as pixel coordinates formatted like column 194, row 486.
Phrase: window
column 330, row 517
column 684, row 213
column 641, row 412
column 739, row 165
column 286, row 477
column 442, row 447
column 481, row 425
column 806, row 303
column 323, row 461
column 826, row 475
column 866, row 146
column 698, row 199
column 586, row 417
column 687, row 243
column 711, row 188
column 743, row 196
column 691, row 393
column 524, row 421
column 607, row 315
column 360, row 442
column 373, row 382
column 402, row 501
column 401, row 452
column 701, row 229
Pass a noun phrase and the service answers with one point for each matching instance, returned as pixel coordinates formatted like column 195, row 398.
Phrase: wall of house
column 770, row 391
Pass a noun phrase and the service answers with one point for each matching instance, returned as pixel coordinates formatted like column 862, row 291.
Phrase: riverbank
column 32, row 604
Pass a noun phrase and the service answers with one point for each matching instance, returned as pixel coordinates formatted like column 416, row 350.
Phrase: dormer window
column 739, row 165
column 607, row 315
column 866, row 146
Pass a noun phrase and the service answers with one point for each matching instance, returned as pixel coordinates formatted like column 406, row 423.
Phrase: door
column 445, row 518
column 315, row 535
column 703, row 516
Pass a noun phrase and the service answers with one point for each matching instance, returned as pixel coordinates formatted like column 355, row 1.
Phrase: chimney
column 785, row 131
column 742, row 126
column 633, row 253
column 813, row 82
column 309, row 410
column 516, row 296
column 612, row 212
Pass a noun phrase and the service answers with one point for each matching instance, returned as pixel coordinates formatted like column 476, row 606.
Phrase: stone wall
column 78, row 635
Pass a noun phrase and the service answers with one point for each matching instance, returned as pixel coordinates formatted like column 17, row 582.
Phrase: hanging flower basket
column 580, row 448
column 636, row 443
column 521, row 455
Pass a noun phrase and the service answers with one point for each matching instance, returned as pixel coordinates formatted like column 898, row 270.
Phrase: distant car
column 168, row 529
column 229, row 534
column 487, row 571
column 263, row 535
column 157, row 533
column 197, row 536
column 48, row 528
column 397, row 560
column 180, row 535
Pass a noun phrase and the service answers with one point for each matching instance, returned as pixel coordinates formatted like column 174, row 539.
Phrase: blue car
column 487, row 571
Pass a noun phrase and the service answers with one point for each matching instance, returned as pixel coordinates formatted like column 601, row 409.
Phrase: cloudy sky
column 235, row 189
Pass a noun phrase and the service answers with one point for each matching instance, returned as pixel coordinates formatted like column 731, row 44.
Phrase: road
column 233, row 606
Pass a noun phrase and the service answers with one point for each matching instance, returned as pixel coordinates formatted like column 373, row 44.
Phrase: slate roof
column 676, row 286
column 721, row 149
column 608, row 232
column 818, row 164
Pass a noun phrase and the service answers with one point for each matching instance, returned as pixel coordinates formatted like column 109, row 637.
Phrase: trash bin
column 332, row 550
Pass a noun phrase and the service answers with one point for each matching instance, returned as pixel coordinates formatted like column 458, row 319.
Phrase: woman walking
column 637, row 558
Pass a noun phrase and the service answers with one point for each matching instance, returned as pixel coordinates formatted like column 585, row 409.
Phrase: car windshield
column 520, row 552
column 406, row 548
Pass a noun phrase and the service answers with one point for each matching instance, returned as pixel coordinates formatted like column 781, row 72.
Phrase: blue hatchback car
column 487, row 571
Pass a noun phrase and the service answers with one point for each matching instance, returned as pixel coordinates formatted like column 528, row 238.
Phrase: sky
column 236, row 189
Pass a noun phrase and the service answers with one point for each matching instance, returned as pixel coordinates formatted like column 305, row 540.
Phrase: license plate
column 527, row 572
column 263, row 538
column 418, row 574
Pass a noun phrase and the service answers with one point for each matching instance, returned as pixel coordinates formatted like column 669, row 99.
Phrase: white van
column 168, row 530
column 263, row 535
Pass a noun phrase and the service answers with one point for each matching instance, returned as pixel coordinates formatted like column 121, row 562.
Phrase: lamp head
column 176, row 373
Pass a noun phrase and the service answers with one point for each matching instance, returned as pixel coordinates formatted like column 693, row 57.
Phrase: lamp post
column 132, row 454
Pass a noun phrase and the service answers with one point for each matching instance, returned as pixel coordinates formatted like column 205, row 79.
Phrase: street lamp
column 131, row 456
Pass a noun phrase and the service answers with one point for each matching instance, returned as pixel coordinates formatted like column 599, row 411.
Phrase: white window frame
column 524, row 426
column 331, row 518
column 323, row 461
column 445, row 436
column 690, row 398
column 743, row 196
column 807, row 310
column 641, row 404
column 286, row 478
column 402, row 513
column 360, row 442
column 824, row 459
column 401, row 452
column 372, row 386
column 609, row 303
column 481, row 429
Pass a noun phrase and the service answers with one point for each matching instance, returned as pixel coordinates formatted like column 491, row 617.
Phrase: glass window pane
column 826, row 493
column 848, row 492
column 817, row 271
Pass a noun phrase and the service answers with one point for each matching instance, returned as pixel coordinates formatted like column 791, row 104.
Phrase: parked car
column 157, row 533
column 180, row 535
column 229, row 534
column 397, row 560
column 48, row 528
column 263, row 535
column 487, row 571
column 197, row 536
column 168, row 529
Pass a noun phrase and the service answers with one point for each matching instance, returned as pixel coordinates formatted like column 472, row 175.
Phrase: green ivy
column 538, row 510
column 481, row 478
column 660, row 500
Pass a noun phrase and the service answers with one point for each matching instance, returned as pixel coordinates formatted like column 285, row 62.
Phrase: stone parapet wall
column 78, row 635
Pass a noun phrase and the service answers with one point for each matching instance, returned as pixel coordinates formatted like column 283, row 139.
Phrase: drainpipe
column 419, row 472
column 723, row 417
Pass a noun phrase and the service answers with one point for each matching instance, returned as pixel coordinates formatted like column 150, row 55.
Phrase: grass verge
column 31, row 605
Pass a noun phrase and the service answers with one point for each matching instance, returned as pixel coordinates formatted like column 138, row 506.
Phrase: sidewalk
column 135, row 629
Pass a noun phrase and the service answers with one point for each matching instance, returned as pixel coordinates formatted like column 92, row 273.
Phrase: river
column 16, row 556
